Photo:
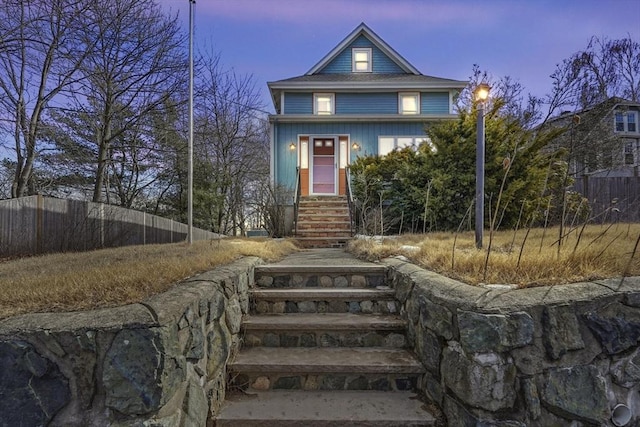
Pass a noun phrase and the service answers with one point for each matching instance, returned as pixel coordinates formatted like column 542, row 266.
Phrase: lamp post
column 190, row 144
column 481, row 94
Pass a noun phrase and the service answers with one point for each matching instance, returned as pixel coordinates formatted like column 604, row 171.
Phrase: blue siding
column 342, row 63
column 366, row 103
column 434, row 102
column 298, row 103
column 365, row 134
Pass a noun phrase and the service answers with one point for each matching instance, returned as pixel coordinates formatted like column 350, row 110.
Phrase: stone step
column 323, row 300
column 324, row 330
column 322, row 321
column 323, row 276
column 300, row 368
column 381, row 293
column 367, row 360
column 324, row 409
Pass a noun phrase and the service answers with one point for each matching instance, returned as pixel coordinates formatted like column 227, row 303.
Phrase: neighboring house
column 362, row 98
column 603, row 144
column 604, row 140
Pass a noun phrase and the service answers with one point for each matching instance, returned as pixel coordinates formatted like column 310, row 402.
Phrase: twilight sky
column 524, row 39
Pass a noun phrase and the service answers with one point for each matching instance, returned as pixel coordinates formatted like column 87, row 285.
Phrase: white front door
column 324, row 171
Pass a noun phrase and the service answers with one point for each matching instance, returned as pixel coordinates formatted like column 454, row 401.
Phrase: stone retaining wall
column 157, row 363
column 545, row 356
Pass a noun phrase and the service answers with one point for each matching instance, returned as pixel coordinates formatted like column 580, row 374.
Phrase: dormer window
column 361, row 60
column 626, row 121
column 409, row 103
column 323, row 103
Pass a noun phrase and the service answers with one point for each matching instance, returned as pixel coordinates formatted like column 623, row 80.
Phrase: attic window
column 361, row 57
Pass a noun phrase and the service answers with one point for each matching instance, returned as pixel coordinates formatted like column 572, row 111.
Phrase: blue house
column 362, row 98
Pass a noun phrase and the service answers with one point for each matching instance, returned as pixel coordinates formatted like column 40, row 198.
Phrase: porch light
column 292, row 146
column 355, row 146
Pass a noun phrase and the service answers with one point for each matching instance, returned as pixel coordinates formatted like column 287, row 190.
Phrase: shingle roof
column 370, row 78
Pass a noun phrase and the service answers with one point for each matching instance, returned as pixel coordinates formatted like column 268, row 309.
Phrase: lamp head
column 292, row 146
column 482, row 92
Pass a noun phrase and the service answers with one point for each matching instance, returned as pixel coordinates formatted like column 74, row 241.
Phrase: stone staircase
column 323, row 346
column 323, row 222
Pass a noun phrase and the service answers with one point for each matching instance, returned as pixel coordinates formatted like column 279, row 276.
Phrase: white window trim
column 315, row 103
column 401, row 95
column 416, row 141
column 625, row 121
column 369, row 53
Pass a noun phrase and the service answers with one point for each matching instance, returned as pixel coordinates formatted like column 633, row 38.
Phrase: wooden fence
column 611, row 198
column 37, row 224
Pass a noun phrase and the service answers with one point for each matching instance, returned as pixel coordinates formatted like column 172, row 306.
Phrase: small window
column 626, row 121
column 409, row 103
column 323, row 103
column 361, row 60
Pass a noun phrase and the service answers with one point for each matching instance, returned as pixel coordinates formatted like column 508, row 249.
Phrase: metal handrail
column 296, row 202
column 350, row 200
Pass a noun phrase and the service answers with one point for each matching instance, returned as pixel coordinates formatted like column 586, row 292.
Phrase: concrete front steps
column 323, row 222
column 323, row 346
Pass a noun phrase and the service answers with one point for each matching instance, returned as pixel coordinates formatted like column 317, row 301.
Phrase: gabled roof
column 408, row 78
column 363, row 29
column 367, row 80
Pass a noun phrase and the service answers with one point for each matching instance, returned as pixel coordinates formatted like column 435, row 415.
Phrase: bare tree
column 605, row 69
column 514, row 103
column 41, row 56
column 136, row 66
column 230, row 134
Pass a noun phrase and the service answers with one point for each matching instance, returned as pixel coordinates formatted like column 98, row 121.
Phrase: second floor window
column 323, row 103
column 626, row 121
column 409, row 103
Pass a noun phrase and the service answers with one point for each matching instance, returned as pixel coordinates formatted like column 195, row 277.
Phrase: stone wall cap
column 157, row 309
column 501, row 300
column 113, row 318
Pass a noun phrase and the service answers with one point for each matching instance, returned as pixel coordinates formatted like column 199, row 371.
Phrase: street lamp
column 481, row 94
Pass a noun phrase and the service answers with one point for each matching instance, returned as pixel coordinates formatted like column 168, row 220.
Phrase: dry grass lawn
column 597, row 252
column 111, row 277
